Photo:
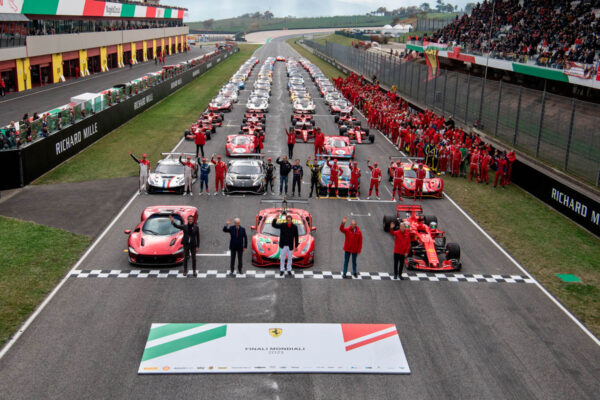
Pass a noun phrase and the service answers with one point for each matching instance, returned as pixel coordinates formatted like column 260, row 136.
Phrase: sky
column 200, row 10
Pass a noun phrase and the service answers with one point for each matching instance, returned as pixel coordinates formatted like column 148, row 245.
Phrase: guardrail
column 78, row 130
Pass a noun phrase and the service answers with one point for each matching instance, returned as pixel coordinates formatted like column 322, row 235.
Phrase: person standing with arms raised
column 352, row 245
column 144, row 171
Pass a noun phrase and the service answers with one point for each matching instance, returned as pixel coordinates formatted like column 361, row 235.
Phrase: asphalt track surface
column 463, row 340
column 45, row 98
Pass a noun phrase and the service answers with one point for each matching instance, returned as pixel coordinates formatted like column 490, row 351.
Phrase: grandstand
column 49, row 41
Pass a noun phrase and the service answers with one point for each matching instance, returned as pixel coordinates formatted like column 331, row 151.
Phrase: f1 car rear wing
column 409, row 208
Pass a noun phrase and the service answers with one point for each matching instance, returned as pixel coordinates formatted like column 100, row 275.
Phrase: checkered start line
column 375, row 276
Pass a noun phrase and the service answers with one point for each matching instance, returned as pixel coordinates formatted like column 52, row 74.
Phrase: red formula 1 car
column 155, row 241
column 258, row 118
column 433, row 186
column 280, row 58
column 250, row 128
column 240, row 145
column 213, row 118
column 346, row 120
column 429, row 250
column 303, row 117
column 303, row 131
column 265, row 243
column 357, row 134
column 339, row 147
column 206, row 128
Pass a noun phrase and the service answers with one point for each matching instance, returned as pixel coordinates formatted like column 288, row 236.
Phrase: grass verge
column 542, row 240
column 30, row 267
column 335, row 38
column 150, row 132
column 329, row 70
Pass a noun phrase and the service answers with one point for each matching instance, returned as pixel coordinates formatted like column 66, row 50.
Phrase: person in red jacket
column 319, row 141
column 443, row 160
column 199, row 140
column 456, row 162
column 334, row 173
column 220, row 171
column 511, row 157
column 375, row 179
column 500, row 169
column 401, row 247
column 421, row 173
column 354, row 180
column 474, row 166
column 352, row 245
column 485, row 160
column 291, row 141
column 398, row 179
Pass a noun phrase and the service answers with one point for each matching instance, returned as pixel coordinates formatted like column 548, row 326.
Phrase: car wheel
column 213, row 129
column 343, row 129
column 372, row 138
column 336, row 118
column 208, row 136
column 387, row 220
column 244, row 120
column 452, row 251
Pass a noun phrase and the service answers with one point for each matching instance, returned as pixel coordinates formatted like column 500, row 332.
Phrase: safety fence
column 78, row 127
column 560, row 131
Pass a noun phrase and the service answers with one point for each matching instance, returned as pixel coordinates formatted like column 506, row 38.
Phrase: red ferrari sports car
column 429, row 250
column 280, row 58
column 358, row 134
column 265, row 243
column 339, row 147
column 303, row 117
column 254, row 118
column 213, row 118
column 240, row 145
column 304, row 131
column 433, row 186
column 155, row 241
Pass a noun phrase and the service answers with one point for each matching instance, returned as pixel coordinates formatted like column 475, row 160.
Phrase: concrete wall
column 48, row 44
column 12, row 53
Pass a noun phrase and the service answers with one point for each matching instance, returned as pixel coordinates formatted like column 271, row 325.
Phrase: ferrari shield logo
column 275, row 332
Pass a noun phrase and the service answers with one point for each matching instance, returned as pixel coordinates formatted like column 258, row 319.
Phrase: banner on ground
column 201, row 348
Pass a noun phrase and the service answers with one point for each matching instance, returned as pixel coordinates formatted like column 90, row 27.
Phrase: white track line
column 47, row 300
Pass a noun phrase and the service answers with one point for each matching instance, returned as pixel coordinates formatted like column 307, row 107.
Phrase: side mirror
column 253, row 227
column 127, row 231
column 314, row 228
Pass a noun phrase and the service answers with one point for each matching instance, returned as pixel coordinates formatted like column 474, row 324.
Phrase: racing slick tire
column 208, row 136
column 293, row 119
column 244, row 120
column 343, row 129
column 387, row 220
column 428, row 219
column 336, row 118
column 452, row 251
column 213, row 129
column 371, row 138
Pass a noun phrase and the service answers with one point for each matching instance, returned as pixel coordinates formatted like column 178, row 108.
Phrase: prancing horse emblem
column 275, row 332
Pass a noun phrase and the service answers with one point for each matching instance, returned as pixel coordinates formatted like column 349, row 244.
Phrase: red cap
column 375, row 163
column 269, row 159
column 144, row 155
column 204, row 159
column 189, row 157
column 218, row 157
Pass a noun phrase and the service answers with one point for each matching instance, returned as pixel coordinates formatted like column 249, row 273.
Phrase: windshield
column 411, row 173
column 344, row 168
column 245, row 169
column 160, row 225
column 241, row 140
column 169, row 169
column 268, row 229
column 337, row 143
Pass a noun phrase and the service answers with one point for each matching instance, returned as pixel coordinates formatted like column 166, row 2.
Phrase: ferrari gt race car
column 429, row 251
column 245, row 176
column 167, row 177
column 339, row 147
column 220, row 103
column 240, row 145
column 155, row 241
column 433, row 186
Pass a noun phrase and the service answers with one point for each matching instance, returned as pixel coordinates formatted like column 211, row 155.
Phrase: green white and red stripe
column 88, row 8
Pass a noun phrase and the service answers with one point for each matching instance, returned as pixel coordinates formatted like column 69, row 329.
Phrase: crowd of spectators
column 549, row 32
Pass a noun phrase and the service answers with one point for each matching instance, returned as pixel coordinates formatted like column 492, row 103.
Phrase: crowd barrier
column 567, row 199
column 22, row 166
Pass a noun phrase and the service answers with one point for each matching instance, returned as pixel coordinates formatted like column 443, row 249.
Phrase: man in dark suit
column 237, row 244
column 288, row 241
column 190, row 241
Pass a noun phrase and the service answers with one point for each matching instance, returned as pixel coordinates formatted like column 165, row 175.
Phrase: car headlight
column 256, row 179
column 304, row 249
column 132, row 251
column 180, row 251
column 229, row 179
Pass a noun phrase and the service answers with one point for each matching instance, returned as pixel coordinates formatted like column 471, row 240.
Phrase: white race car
column 304, row 105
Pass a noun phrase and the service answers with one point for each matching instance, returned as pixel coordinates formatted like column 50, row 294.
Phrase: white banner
column 240, row 348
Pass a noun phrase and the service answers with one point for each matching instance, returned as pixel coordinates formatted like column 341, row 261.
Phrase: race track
column 464, row 339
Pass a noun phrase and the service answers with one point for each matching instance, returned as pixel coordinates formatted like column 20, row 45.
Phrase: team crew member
column 297, row 175
column 188, row 173
column 238, row 243
column 315, row 172
column 190, row 241
column 334, row 175
column 291, row 141
column 220, row 171
column 421, row 173
column 144, row 171
column 204, row 168
column 398, row 179
column 485, row 160
column 352, row 245
column 260, row 138
column 474, row 166
column 270, row 176
column 319, row 141
column 401, row 247
column 511, row 157
column 284, row 170
column 375, row 179
column 501, row 168
column 200, row 140
column 288, row 241
column 355, row 173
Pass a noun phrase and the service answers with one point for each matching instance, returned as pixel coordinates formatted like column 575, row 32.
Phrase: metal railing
column 560, row 131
